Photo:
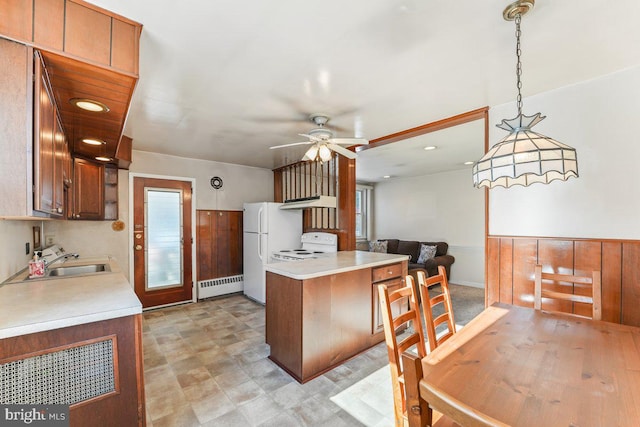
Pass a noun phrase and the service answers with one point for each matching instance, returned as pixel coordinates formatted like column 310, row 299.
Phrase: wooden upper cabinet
column 16, row 19
column 124, row 45
column 48, row 23
column 87, row 33
column 50, row 147
column 88, row 189
column 77, row 28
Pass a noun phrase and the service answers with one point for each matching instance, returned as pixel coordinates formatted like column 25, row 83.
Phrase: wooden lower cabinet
column 314, row 325
column 97, row 366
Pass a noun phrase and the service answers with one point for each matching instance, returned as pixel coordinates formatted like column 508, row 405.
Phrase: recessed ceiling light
column 467, row 163
column 387, row 176
column 104, row 159
column 89, row 105
column 93, row 141
column 430, row 147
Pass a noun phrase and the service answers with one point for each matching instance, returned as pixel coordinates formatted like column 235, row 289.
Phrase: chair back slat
column 428, row 303
column 565, row 289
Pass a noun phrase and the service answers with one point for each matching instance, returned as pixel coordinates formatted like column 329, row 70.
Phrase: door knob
column 138, row 236
column 138, row 247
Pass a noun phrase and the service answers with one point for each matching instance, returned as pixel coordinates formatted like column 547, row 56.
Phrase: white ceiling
column 224, row 80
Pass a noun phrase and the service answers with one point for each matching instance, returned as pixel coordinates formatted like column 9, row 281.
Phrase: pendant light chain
column 519, row 65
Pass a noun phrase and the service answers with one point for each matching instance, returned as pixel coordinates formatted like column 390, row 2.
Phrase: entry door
column 162, row 241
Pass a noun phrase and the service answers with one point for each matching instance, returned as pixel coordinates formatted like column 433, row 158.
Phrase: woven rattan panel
column 62, row 377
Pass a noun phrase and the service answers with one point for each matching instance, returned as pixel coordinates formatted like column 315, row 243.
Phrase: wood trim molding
column 470, row 116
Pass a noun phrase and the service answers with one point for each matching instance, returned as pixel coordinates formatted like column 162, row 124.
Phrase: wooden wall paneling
column 556, row 256
column 87, row 33
column 48, row 23
column 630, row 283
column 506, row 270
column 124, row 46
column 587, row 258
column 611, row 281
column 347, row 203
column 492, row 287
column 204, row 245
column 525, row 252
column 222, row 244
column 278, row 195
column 235, row 239
column 16, row 19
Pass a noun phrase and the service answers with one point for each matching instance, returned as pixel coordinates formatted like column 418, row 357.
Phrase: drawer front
column 386, row 272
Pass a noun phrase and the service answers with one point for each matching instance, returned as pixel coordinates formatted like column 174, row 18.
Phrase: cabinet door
column 60, row 151
column 44, row 145
column 88, row 190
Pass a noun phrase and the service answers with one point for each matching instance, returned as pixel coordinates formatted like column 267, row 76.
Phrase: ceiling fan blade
column 341, row 150
column 350, row 141
column 291, row 145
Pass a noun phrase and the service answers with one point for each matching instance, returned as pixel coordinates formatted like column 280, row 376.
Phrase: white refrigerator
column 267, row 229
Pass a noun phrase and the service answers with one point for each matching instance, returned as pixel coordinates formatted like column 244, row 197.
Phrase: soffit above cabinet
column 72, row 79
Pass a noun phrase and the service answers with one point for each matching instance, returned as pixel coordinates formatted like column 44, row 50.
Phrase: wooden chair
column 429, row 303
column 566, row 292
column 392, row 304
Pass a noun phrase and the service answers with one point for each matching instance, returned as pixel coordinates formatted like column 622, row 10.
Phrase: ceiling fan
column 324, row 142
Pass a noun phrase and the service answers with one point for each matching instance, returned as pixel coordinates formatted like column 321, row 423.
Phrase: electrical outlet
column 48, row 239
column 27, row 248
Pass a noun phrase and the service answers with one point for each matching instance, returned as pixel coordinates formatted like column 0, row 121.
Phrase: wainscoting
column 511, row 261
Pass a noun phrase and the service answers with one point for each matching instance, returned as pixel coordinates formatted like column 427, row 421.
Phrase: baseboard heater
column 220, row 286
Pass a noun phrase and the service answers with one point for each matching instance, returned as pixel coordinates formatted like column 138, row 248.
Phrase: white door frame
column 132, row 175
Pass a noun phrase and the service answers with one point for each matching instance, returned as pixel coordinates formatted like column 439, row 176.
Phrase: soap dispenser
column 36, row 267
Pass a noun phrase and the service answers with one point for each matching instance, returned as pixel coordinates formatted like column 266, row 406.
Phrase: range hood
column 310, row 202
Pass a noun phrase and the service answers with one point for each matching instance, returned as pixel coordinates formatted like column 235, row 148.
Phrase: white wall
column 241, row 183
column 440, row 207
column 13, row 236
column 599, row 119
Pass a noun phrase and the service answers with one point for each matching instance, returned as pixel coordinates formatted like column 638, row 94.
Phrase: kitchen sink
column 75, row 270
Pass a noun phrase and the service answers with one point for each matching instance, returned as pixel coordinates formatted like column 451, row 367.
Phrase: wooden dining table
column 516, row 366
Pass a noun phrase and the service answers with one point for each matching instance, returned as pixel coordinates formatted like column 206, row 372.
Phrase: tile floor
column 206, row 364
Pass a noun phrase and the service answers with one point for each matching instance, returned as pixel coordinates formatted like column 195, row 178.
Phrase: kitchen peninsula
column 321, row 312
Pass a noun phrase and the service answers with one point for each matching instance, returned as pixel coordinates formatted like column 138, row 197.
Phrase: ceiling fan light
column 325, row 153
column 311, row 153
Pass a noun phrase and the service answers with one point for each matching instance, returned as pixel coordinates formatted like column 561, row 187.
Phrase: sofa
column 412, row 248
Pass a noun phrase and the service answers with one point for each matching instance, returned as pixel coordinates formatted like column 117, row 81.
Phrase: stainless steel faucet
column 65, row 256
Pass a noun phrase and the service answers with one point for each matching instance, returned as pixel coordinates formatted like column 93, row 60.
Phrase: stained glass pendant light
column 523, row 157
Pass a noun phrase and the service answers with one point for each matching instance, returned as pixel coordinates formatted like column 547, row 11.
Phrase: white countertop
column 327, row 264
column 41, row 305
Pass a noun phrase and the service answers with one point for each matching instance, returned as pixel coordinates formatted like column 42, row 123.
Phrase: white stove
column 314, row 244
